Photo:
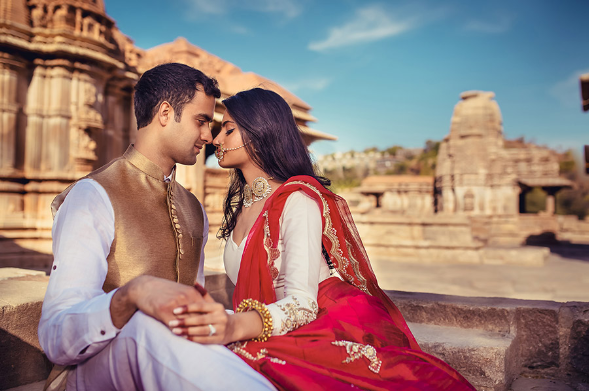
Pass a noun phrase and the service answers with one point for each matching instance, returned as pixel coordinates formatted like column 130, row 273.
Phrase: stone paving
column 559, row 279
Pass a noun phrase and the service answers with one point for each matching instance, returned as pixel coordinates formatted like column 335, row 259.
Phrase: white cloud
column 288, row 8
column 313, row 84
column 568, row 91
column 240, row 29
column 216, row 7
column 502, row 25
column 370, row 24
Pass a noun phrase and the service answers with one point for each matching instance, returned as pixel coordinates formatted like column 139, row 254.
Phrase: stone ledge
column 485, row 358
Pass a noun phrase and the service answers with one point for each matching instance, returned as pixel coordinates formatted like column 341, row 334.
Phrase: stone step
column 494, row 314
column 487, row 359
column 528, row 384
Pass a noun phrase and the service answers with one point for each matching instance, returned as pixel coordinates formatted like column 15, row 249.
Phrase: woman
column 309, row 313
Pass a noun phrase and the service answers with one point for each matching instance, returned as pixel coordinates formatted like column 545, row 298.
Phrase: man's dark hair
column 174, row 83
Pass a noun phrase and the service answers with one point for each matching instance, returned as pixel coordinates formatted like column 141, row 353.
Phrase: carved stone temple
column 66, row 80
column 479, row 172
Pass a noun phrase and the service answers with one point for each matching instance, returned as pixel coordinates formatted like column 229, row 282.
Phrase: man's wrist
column 124, row 303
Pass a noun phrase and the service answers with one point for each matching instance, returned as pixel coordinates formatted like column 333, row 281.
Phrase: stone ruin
column 477, row 172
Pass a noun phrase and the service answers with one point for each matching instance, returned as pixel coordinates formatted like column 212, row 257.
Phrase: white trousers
column 147, row 356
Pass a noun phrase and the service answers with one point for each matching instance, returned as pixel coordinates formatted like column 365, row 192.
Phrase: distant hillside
column 346, row 171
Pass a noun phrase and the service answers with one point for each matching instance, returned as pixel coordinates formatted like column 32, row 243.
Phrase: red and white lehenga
column 359, row 338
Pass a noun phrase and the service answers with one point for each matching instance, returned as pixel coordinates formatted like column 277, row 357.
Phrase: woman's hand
column 205, row 322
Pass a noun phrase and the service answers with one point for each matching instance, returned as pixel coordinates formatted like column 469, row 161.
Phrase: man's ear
column 165, row 114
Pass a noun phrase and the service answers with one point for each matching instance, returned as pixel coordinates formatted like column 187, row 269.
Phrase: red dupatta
column 340, row 238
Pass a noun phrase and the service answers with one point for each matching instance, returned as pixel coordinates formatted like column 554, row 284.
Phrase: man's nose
column 206, row 136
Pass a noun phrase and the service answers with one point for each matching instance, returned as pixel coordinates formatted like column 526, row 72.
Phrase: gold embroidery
column 239, row 348
column 273, row 253
column 297, row 315
column 336, row 251
column 357, row 350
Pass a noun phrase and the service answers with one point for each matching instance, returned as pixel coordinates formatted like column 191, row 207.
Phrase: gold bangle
column 262, row 310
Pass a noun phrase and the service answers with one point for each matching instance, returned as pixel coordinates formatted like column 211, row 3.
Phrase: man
column 128, row 242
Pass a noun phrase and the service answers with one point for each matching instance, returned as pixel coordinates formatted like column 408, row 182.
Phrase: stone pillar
column 78, row 25
column 449, row 200
column 11, row 114
column 115, row 138
column 35, row 120
column 550, row 199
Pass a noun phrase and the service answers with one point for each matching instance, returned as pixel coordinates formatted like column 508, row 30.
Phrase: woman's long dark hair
column 272, row 140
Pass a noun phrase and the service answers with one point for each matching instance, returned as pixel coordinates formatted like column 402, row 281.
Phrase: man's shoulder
column 114, row 164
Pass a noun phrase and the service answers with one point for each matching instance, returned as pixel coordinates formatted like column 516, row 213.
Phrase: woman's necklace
column 259, row 190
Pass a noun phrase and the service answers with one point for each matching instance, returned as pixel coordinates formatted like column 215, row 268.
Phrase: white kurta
column 301, row 264
column 76, row 326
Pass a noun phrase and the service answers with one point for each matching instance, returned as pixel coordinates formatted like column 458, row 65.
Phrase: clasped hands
column 187, row 311
column 203, row 321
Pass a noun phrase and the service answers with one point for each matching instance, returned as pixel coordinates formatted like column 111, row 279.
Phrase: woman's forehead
column 226, row 118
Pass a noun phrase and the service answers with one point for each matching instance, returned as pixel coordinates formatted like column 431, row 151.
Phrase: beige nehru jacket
column 158, row 225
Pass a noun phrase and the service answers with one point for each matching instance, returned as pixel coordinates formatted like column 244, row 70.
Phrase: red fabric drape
column 355, row 312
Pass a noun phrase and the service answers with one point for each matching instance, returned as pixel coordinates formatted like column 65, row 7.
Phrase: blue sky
column 385, row 73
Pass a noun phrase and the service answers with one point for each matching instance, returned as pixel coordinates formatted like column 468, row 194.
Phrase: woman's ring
column 212, row 330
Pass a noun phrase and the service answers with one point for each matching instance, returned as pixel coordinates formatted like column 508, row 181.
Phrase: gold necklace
column 259, row 190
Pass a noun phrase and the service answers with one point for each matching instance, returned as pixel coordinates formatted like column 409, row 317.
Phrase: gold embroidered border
column 297, row 315
column 239, row 348
column 336, row 251
column 273, row 253
column 357, row 350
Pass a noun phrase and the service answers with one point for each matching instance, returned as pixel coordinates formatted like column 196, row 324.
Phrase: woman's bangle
column 262, row 310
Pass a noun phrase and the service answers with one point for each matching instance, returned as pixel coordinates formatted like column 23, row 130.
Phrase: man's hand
column 153, row 296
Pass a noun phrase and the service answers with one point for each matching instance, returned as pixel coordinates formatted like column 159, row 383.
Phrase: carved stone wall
column 66, row 82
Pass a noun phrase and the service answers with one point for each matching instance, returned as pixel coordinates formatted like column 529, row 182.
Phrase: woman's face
column 230, row 150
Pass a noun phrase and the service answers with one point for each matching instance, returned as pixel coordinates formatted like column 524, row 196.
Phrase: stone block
column 490, row 314
column 537, row 332
column 13, row 272
column 485, row 358
column 528, row 384
column 21, row 358
column 574, row 340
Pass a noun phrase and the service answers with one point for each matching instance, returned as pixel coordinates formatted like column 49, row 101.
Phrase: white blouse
column 301, row 264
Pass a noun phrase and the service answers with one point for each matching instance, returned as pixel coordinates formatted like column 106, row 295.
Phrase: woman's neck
column 252, row 173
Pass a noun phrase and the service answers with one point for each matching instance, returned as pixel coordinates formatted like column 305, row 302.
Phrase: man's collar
column 147, row 166
column 172, row 175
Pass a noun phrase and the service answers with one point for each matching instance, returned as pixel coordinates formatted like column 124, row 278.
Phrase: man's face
column 184, row 140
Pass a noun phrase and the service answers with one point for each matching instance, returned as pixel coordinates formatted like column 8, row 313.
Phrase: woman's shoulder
column 299, row 200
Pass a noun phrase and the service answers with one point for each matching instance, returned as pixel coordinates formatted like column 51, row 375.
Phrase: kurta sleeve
column 301, row 264
column 76, row 322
